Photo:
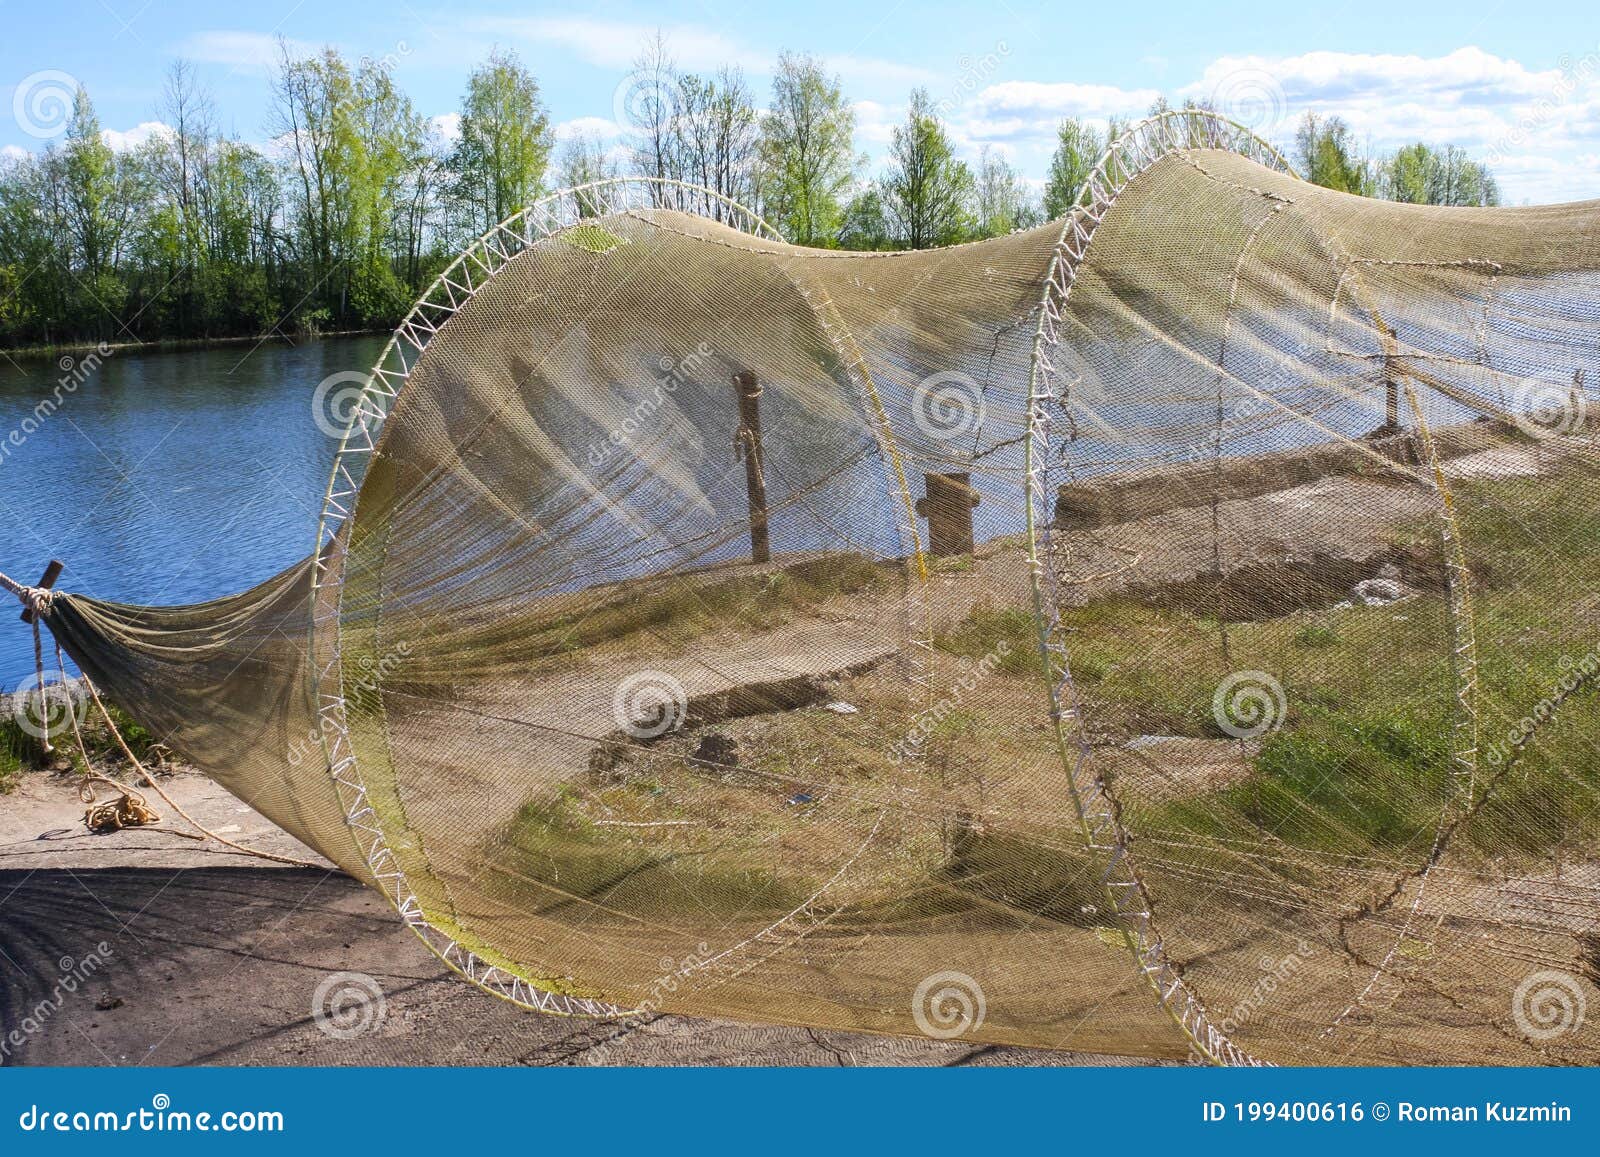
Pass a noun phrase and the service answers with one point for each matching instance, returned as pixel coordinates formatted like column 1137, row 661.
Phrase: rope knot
column 37, row 600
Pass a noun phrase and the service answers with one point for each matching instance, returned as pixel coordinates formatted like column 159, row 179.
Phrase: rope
column 130, row 810
column 36, row 601
column 150, row 778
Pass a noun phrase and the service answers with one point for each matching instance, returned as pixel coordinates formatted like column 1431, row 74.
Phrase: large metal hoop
column 448, row 294
column 1130, row 155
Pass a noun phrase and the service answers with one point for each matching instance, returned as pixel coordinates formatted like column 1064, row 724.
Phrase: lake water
column 163, row 477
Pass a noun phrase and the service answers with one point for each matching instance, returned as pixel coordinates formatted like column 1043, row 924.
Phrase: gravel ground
column 142, row 947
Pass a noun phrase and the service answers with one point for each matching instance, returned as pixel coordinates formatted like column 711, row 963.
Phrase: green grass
column 682, row 607
column 1362, row 757
column 20, row 751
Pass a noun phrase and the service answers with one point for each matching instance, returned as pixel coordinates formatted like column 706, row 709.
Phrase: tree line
column 360, row 201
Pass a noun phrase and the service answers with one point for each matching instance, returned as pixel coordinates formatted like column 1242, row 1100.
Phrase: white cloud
column 122, row 141
column 447, row 125
column 252, row 53
column 1539, row 130
column 1528, row 124
column 599, row 127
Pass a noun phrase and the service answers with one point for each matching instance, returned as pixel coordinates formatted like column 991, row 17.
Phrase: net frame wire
column 1106, row 837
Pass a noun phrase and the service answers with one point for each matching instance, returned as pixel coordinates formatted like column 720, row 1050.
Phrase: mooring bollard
column 46, row 581
column 747, row 443
column 948, row 508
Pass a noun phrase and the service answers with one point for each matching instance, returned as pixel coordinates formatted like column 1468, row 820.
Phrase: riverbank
column 188, row 927
column 174, row 345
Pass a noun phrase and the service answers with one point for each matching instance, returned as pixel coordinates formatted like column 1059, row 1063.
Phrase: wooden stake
column 948, row 508
column 747, row 444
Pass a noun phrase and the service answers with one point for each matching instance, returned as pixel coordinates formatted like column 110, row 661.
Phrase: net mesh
column 1172, row 629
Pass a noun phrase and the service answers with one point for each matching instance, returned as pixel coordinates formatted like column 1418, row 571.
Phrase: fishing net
column 1171, row 629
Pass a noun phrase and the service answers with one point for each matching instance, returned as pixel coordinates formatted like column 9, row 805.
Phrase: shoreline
column 174, row 345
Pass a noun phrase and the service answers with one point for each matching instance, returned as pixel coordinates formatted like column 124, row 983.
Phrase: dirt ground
column 213, row 957
column 216, row 957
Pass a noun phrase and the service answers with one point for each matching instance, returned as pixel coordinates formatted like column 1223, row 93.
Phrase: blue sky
column 1516, row 82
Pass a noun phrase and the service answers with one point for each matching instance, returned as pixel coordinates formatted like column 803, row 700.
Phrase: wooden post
column 46, row 581
column 747, row 444
column 1391, row 411
column 948, row 508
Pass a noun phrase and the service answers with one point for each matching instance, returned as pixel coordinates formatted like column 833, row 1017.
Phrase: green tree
column 1002, row 201
column 927, row 193
column 584, row 161
column 1078, row 147
column 315, row 98
column 90, row 188
column 807, row 151
column 1423, row 175
column 715, row 139
column 505, row 143
column 865, row 223
column 1325, row 151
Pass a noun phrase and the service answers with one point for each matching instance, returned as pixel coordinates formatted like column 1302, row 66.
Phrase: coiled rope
column 130, row 810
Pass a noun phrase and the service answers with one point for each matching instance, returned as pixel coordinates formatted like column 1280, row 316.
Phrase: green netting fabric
column 1173, row 628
